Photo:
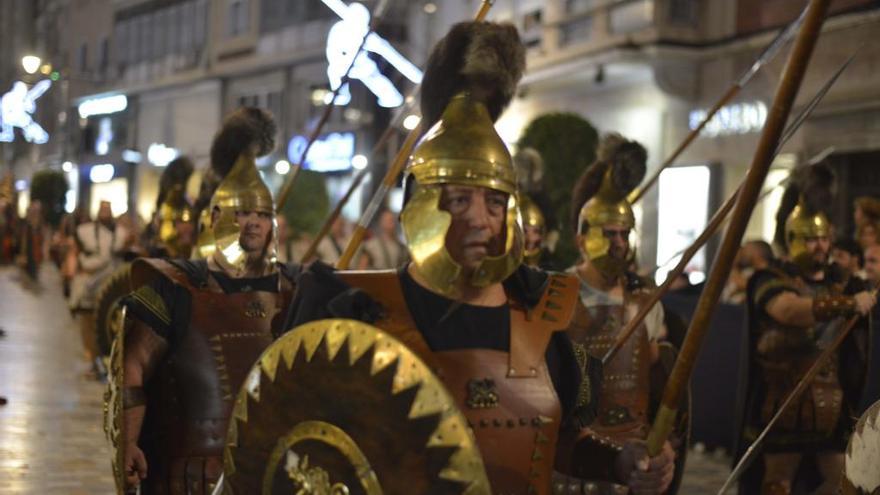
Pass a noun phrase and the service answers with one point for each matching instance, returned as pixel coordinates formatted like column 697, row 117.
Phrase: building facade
column 649, row 69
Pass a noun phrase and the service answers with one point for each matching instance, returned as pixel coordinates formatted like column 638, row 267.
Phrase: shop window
column 237, row 17
column 201, row 20
column 120, row 44
column 531, row 28
column 629, row 17
column 188, row 13
column 83, row 58
column 684, row 12
column 274, row 103
column 576, row 6
column 103, row 55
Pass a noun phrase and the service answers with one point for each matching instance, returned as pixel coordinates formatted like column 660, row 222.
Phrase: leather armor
column 197, row 380
column 784, row 354
column 624, row 403
column 507, row 397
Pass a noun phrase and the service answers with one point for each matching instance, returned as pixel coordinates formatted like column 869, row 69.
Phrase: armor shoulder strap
column 384, row 287
column 146, row 270
column 532, row 328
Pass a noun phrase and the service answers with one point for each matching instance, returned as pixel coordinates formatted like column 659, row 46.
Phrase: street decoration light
column 30, row 63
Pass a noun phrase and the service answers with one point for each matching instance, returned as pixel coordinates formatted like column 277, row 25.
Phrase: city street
column 51, row 436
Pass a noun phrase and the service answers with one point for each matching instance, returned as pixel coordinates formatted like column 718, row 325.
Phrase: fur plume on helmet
column 176, row 174
column 815, row 184
column 487, row 59
column 246, row 129
column 628, row 162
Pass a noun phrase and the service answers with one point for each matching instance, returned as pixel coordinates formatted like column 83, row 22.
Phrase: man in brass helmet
column 610, row 294
column 171, row 234
column 795, row 309
column 534, row 231
column 490, row 327
column 195, row 327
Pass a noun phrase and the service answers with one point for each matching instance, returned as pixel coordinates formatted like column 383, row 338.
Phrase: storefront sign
column 330, row 153
column 739, row 118
column 102, row 105
column 16, row 110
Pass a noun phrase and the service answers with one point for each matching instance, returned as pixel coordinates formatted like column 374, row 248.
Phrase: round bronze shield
column 107, row 309
column 341, row 407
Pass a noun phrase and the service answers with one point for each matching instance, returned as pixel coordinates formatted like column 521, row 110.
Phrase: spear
column 328, row 109
column 390, row 177
column 791, row 80
column 720, row 216
column 817, row 365
column 767, row 55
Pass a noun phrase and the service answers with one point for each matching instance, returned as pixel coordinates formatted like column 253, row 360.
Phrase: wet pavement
column 51, row 437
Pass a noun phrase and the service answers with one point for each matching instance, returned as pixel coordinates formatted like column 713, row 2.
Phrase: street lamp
column 30, row 63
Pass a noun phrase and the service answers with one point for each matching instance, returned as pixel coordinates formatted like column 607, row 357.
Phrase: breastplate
column 507, row 397
column 199, row 379
column 515, row 420
column 623, row 404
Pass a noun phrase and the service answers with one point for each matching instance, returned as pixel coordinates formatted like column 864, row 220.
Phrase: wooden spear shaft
column 391, row 176
column 786, row 92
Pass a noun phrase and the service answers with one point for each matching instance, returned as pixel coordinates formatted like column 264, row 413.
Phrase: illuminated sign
column 16, row 110
column 102, row 105
column 343, row 42
column 160, row 155
column 330, row 153
column 739, row 118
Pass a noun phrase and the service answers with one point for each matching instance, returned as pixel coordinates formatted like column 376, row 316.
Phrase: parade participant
column 530, row 179
column 100, row 244
column 534, row 230
column 384, row 250
column 795, row 309
column 171, row 234
column 610, row 293
column 872, row 264
column 196, row 327
column 333, row 244
column 848, row 258
column 491, row 328
column 33, row 235
column 754, row 255
column 866, row 216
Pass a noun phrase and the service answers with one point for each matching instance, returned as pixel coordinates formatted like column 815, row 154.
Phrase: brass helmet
column 600, row 198
column 176, row 208
column 471, row 75
column 173, row 206
column 532, row 217
column 247, row 133
column 802, row 210
column 241, row 190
